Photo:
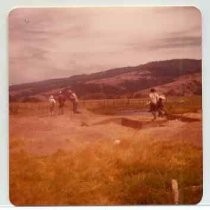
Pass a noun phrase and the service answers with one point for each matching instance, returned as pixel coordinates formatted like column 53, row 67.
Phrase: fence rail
column 17, row 107
column 176, row 103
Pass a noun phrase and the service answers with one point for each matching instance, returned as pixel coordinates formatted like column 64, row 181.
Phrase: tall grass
column 102, row 173
column 138, row 170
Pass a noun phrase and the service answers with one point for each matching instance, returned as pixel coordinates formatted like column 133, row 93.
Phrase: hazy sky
column 53, row 43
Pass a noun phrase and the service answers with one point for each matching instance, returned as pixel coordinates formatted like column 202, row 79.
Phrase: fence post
column 175, row 191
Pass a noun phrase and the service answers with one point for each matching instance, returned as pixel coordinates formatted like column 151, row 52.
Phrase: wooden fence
column 43, row 107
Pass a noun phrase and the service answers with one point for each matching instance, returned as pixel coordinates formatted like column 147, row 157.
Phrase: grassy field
column 82, row 160
column 175, row 105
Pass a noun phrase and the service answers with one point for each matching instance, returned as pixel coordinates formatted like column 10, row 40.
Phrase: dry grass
column 173, row 105
column 96, row 170
column 179, row 105
column 111, row 106
column 133, row 172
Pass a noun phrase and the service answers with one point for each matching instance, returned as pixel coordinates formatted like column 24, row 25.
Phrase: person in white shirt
column 52, row 103
column 154, row 97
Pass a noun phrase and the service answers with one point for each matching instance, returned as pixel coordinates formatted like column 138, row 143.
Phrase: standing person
column 160, row 106
column 61, row 101
column 154, row 97
column 75, row 101
column 52, row 103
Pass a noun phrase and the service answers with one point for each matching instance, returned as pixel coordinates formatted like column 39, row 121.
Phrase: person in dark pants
column 154, row 97
column 75, row 101
column 61, row 101
column 160, row 106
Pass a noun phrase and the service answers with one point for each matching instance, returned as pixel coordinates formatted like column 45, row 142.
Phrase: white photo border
column 8, row 5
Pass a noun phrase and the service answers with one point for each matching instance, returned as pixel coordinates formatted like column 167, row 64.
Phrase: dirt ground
column 45, row 135
column 90, row 159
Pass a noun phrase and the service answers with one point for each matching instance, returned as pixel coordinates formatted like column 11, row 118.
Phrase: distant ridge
column 118, row 82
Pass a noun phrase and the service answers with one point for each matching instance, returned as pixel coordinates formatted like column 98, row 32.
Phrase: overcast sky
column 54, row 43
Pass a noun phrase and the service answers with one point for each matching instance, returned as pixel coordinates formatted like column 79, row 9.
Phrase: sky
column 48, row 43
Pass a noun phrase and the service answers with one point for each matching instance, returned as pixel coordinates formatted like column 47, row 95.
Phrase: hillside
column 121, row 82
column 185, row 85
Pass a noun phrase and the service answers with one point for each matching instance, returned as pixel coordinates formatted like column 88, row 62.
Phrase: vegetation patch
column 133, row 172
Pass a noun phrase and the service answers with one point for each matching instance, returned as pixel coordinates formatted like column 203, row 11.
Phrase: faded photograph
column 105, row 106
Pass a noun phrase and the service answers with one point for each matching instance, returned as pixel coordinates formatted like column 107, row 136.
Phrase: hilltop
column 174, row 77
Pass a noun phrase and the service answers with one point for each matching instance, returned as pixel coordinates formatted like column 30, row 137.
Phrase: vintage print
column 105, row 106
